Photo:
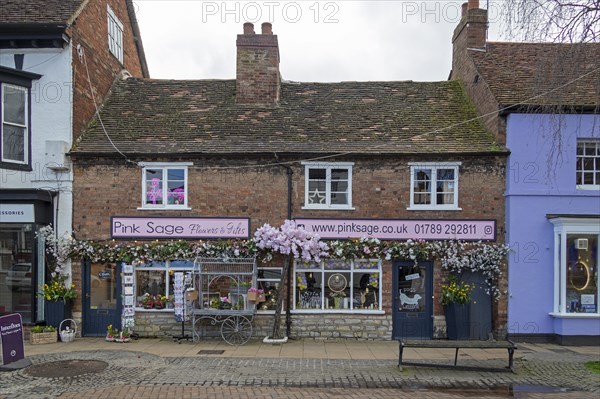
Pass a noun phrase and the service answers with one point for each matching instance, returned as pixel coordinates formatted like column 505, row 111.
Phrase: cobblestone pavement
column 131, row 374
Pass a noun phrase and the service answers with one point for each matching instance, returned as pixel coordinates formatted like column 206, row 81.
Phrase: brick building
column 353, row 153
column 543, row 101
column 56, row 59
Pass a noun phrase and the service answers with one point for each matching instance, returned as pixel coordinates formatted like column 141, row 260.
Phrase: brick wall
column 471, row 33
column 257, row 76
column 380, row 190
column 90, row 30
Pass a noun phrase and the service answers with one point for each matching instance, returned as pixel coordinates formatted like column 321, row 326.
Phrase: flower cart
column 222, row 286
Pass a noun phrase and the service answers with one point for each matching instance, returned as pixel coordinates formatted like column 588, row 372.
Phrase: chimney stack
column 471, row 33
column 257, row 77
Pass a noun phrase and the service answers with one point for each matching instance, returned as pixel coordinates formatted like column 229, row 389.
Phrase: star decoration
column 316, row 198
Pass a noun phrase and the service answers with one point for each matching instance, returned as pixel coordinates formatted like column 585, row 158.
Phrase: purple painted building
column 543, row 101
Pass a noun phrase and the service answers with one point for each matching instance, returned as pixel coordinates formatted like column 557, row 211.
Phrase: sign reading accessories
column 17, row 213
column 400, row 229
column 183, row 227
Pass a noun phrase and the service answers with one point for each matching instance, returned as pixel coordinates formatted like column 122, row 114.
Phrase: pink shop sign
column 402, row 229
column 183, row 227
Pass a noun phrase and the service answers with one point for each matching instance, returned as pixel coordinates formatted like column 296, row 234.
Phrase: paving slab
column 154, row 368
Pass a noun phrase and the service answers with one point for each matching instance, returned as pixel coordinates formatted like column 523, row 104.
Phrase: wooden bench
column 456, row 344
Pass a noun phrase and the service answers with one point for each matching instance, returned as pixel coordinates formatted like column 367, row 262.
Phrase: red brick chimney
column 257, row 80
column 471, row 32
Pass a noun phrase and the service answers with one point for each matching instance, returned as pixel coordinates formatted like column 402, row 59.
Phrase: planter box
column 43, row 338
column 458, row 321
column 56, row 312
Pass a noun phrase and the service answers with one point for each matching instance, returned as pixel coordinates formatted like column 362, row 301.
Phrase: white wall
column 51, row 120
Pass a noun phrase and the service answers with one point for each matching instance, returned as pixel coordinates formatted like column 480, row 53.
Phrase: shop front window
column 576, row 266
column 581, row 274
column 156, row 280
column 17, row 272
column 268, row 280
column 336, row 285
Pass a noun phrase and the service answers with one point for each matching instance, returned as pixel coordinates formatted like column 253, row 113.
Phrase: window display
column 268, row 280
column 17, row 270
column 155, row 283
column 338, row 285
column 581, row 273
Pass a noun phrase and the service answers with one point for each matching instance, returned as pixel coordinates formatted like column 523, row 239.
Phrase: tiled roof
column 541, row 73
column 37, row 11
column 145, row 116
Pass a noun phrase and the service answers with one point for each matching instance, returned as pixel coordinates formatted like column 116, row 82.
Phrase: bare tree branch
column 574, row 21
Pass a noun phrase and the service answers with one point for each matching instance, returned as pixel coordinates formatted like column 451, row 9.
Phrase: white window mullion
column 328, row 186
column 433, row 187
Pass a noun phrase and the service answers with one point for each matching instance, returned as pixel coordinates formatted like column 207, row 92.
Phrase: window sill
column 589, row 187
column 164, row 209
column 328, row 208
column 334, row 311
column 575, row 315
column 433, row 208
column 144, row 310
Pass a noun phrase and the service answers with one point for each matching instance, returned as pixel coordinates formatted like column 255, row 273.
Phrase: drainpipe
column 288, row 314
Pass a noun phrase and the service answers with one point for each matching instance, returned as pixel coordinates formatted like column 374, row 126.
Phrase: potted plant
column 123, row 336
column 255, row 294
column 58, row 297
column 160, row 302
column 456, row 299
column 43, row 335
column 148, row 301
column 337, row 298
column 111, row 333
column 240, row 287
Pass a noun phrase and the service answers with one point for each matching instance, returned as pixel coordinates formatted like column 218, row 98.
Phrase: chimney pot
column 248, row 28
column 473, row 4
column 463, row 10
column 267, row 28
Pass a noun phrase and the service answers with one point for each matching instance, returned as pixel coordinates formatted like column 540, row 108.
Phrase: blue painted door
column 101, row 298
column 412, row 303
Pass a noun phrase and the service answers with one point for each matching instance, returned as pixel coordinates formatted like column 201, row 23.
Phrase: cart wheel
column 236, row 330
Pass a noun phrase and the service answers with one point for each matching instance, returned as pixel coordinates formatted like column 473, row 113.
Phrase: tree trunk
column 276, row 333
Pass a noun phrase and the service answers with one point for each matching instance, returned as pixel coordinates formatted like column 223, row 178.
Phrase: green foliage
column 42, row 329
column 594, row 366
column 57, row 290
column 456, row 292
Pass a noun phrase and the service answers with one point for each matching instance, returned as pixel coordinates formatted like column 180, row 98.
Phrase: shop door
column 412, row 302
column 101, row 298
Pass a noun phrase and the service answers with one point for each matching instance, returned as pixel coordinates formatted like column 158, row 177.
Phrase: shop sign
column 401, row 229
column 182, row 227
column 16, row 213
column 11, row 336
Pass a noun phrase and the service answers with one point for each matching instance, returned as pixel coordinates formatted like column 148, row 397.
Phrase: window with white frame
column 115, row 35
column 15, row 124
column 576, row 261
column 434, row 185
column 268, row 280
column 164, row 185
column 588, row 164
column 328, row 185
column 155, row 281
column 338, row 285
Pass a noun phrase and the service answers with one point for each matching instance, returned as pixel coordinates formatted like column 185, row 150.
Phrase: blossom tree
column 296, row 243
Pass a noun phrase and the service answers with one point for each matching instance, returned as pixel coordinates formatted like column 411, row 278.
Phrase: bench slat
column 457, row 344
